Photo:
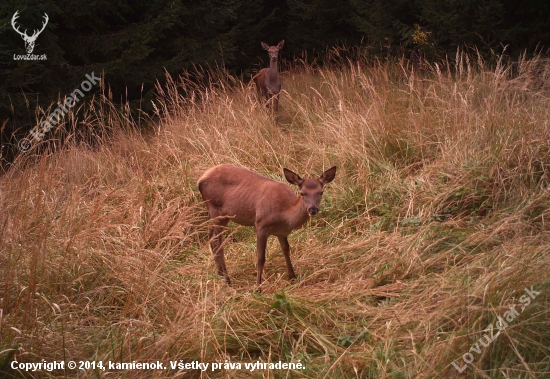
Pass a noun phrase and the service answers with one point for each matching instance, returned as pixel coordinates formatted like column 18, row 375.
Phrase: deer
column 250, row 199
column 29, row 40
column 267, row 80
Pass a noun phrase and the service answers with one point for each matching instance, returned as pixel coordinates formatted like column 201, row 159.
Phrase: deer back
column 245, row 195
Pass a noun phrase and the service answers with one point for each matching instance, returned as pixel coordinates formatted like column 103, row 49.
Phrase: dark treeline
column 133, row 43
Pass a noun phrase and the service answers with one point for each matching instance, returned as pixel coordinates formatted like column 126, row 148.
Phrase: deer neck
column 273, row 73
column 298, row 215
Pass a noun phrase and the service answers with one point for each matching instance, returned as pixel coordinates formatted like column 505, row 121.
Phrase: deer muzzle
column 313, row 211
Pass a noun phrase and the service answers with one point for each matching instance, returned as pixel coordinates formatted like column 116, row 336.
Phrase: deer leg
column 276, row 102
column 269, row 99
column 264, row 95
column 261, row 245
column 215, row 233
column 283, row 241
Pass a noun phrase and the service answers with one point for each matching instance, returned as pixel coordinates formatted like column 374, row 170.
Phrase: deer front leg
column 268, row 102
column 285, row 246
column 276, row 103
column 261, row 245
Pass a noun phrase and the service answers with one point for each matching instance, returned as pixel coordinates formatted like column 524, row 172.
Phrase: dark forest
column 132, row 44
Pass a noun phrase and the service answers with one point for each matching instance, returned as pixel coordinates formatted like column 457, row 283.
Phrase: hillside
column 436, row 223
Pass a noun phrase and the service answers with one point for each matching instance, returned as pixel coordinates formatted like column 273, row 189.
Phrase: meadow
column 436, row 223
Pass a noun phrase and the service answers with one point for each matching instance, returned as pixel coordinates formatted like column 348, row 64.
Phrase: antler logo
column 29, row 40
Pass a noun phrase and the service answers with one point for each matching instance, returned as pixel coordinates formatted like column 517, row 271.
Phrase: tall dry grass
column 436, row 222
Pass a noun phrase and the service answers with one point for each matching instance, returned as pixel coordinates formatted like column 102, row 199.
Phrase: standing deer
column 249, row 199
column 267, row 80
column 29, row 40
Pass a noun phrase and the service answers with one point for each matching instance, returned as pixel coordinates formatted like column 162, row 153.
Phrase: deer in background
column 249, row 199
column 29, row 40
column 267, row 80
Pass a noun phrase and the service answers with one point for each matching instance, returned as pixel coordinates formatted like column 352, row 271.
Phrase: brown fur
column 247, row 198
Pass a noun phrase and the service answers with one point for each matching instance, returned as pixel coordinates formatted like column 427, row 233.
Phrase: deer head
column 311, row 190
column 29, row 40
column 273, row 51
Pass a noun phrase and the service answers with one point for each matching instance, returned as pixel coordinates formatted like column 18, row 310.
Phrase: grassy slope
column 436, row 222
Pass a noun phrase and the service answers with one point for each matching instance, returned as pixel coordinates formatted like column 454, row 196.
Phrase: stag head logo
column 29, row 40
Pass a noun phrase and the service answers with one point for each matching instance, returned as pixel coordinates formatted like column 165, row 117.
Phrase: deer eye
column 302, row 194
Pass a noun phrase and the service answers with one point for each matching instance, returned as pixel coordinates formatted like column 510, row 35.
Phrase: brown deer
column 267, row 80
column 247, row 198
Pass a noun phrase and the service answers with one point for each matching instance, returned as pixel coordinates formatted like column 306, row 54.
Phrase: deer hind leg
column 216, row 244
column 285, row 246
column 261, row 245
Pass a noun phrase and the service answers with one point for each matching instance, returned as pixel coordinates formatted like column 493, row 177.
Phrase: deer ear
column 328, row 175
column 292, row 177
column 265, row 46
column 281, row 44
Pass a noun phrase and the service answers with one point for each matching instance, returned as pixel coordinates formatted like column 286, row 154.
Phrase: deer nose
column 313, row 211
column 273, row 58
